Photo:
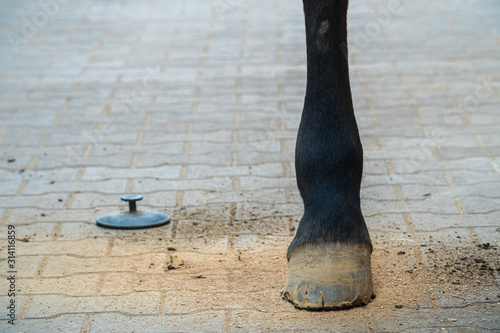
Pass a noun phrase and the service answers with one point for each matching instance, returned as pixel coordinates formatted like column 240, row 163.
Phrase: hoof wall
column 329, row 277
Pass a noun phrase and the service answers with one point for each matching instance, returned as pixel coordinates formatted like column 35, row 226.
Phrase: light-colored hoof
column 329, row 276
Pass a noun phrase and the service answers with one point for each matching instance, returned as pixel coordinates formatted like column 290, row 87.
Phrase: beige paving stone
column 251, row 156
column 6, row 301
column 92, row 247
column 211, row 184
column 259, row 243
column 451, row 237
column 196, row 198
column 150, row 158
column 489, row 235
column 61, row 173
column 66, row 323
column 92, row 200
column 17, row 162
column 46, row 201
column 216, row 136
column 252, row 210
column 477, row 204
column 26, row 266
column 66, row 265
column 421, row 191
column 206, row 321
column 71, row 139
column 254, row 321
column 456, row 296
column 76, row 230
column 242, row 148
column 109, row 186
column 23, row 215
column 126, row 153
column 400, row 319
column 74, row 285
column 430, row 178
column 203, row 280
column 386, row 223
column 182, row 302
column 51, row 305
column 264, row 226
column 57, row 162
column 9, row 187
column 210, row 274
column 209, row 212
column 257, row 183
column 374, row 167
column 32, row 232
column 471, row 164
column 440, row 205
column 453, row 152
column 378, row 192
column 165, row 172
column 134, row 245
column 418, row 153
column 398, row 143
column 205, row 171
column 431, row 222
column 471, row 177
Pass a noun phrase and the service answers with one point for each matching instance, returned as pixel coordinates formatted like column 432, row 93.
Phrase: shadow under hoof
column 329, row 276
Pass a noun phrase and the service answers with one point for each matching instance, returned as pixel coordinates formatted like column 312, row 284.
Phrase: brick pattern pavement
column 195, row 105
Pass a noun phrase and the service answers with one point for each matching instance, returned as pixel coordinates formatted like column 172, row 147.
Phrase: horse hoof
column 329, row 276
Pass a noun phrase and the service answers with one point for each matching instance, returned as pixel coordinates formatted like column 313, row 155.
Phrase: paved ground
column 195, row 105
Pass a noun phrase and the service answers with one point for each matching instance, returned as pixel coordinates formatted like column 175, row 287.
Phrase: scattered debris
column 484, row 246
column 171, row 248
column 398, row 306
column 174, row 263
column 401, row 253
column 463, row 265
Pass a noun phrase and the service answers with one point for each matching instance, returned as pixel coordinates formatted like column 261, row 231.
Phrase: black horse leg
column 329, row 258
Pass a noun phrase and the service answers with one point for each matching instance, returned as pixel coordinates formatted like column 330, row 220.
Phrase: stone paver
column 195, row 104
